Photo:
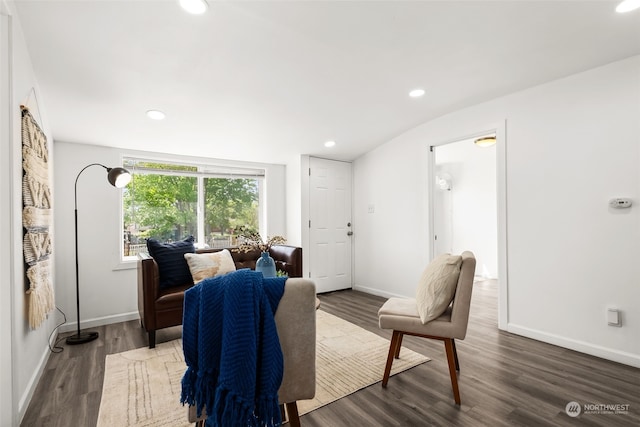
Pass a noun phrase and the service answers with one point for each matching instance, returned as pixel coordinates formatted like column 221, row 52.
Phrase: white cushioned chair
column 296, row 324
column 401, row 315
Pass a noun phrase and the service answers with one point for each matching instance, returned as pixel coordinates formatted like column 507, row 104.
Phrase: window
column 171, row 201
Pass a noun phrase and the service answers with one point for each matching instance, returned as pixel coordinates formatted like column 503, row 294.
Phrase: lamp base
column 81, row 338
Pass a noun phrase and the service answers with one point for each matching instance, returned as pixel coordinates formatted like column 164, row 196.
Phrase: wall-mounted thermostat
column 620, row 203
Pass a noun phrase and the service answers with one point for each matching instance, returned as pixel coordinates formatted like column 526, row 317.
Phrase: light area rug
column 142, row 386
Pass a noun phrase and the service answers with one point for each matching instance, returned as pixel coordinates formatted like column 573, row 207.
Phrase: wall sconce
column 443, row 181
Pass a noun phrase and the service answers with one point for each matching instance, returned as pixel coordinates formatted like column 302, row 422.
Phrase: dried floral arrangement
column 249, row 240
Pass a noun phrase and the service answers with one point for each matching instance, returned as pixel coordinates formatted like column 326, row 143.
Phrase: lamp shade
column 118, row 177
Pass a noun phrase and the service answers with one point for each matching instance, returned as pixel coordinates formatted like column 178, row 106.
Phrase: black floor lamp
column 118, row 177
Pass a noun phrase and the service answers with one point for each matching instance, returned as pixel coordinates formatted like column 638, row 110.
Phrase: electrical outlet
column 372, row 208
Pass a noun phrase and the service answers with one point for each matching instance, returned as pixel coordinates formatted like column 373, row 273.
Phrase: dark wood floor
column 505, row 380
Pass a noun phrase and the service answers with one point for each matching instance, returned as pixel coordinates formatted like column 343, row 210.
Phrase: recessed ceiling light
column 329, row 144
column 416, row 93
column 156, row 115
column 628, row 6
column 196, row 7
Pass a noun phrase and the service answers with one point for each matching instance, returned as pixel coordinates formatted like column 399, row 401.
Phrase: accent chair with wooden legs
column 295, row 321
column 401, row 315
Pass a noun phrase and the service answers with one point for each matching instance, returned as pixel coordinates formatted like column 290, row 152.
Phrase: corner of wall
column 304, row 212
column 8, row 412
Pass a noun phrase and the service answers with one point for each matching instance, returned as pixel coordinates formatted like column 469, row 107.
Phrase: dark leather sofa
column 162, row 308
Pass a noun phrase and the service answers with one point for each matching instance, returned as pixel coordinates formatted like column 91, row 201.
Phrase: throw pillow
column 172, row 266
column 210, row 264
column 437, row 286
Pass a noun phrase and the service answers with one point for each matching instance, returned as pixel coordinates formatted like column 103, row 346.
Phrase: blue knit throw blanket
column 232, row 351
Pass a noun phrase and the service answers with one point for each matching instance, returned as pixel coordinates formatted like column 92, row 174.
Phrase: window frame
column 203, row 170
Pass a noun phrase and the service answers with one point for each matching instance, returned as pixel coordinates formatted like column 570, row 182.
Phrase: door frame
column 500, row 129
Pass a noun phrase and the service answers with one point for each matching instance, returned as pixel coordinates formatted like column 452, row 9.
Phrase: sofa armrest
column 148, row 287
column 296, row 323
column 288, row 259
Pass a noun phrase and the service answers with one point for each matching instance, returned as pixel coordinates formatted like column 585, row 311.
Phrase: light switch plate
column 613, row 317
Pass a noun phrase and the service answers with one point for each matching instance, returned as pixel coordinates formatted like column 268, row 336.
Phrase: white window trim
column 210, row 169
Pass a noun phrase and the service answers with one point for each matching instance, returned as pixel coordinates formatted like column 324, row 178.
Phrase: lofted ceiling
column 267, row 80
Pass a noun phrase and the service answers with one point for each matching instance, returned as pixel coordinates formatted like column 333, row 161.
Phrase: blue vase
column 266, row 265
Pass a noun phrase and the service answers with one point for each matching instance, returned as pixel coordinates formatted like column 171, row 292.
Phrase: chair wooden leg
column 283, row 414
column 292, row 412
column 455, row 353
column 448, row 345
column 395, row 338
column 399, row 346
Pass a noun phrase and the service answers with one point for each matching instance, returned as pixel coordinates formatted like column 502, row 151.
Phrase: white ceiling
column 265, row 80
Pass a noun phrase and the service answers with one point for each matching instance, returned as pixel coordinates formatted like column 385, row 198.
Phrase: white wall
column 108, row 291
column 391, row 243
column 473, row 211
column 571, row 145
column 24, row 352
column 294, row 202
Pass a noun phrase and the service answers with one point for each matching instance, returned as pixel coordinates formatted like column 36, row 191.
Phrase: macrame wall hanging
column 37, row 217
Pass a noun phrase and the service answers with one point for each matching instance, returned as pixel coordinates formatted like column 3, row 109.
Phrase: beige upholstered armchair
column 401, row 315
column 296, row 324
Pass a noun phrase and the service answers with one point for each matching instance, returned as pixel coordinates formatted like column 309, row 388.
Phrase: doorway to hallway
column 462, row 181
column 464, row 202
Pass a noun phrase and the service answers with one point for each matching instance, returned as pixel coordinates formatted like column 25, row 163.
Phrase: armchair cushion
column 172, row 266
column 209, row 264
column 437, row 286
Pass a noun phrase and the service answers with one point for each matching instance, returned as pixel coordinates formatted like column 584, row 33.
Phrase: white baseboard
column 99, row 321
column 25, row 399
column 571, row 344
column 378, row 292
column 580, row 346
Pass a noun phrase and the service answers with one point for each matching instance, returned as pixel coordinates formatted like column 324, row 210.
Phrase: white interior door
column 330, row 224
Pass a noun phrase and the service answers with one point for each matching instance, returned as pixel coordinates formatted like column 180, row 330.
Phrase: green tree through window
column 161, row 201
column 229, row 204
